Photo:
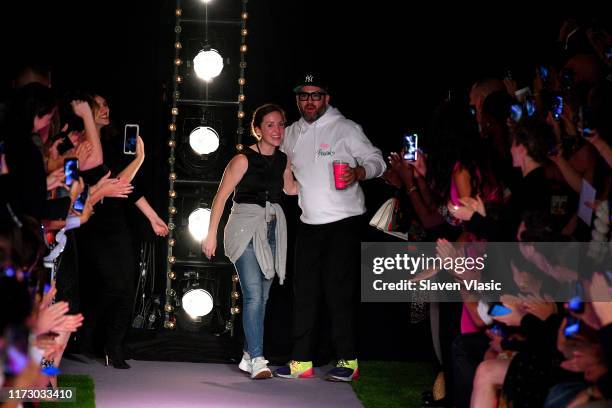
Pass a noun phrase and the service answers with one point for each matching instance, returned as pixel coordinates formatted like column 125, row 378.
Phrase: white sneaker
column 259, row 368
column 245, row 364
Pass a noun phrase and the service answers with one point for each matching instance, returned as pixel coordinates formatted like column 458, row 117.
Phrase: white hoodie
column 312, row 147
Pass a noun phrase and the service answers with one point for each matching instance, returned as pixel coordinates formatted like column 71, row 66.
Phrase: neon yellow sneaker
column 345, row 370
column 296, row 369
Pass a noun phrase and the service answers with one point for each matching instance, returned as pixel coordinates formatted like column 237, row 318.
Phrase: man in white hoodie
column 327, row 243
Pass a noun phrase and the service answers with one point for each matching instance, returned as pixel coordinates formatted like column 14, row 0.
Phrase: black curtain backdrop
column 388, row 65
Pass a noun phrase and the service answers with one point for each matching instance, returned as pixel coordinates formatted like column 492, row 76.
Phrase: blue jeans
column 255, row 289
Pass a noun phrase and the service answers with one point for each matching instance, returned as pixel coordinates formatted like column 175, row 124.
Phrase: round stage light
column 208, row 64
column 198, row 223
column 197, row 303
column 204, row 140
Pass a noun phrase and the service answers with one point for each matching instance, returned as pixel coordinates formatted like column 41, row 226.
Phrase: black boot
column 114, row 356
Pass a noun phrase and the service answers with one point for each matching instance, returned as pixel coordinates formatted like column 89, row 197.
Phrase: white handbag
column 383, row 219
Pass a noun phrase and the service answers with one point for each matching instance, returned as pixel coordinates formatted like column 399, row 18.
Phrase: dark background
column 388, row 65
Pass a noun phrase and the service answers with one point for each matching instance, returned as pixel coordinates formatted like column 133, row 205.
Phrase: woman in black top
column 257, row 174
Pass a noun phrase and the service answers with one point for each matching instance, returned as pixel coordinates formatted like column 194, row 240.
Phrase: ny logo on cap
column 309, row 78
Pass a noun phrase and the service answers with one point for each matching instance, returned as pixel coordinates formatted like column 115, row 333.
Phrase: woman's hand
column 516, row 315
column 55, row 179
column 475, row 204
column 420, row 164
column 540, row 308
column 209, row 245
column 159, row 226
column 81, row 109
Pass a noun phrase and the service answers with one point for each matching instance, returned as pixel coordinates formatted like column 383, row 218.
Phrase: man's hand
column 352, row 174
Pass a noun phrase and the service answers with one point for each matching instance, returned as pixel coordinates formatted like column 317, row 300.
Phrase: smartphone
column 497, row 309
column 576, row 303
column 16, row 350
column 65, row 145
column 556, row 106
column 516, row 112
column 498, row 330
column 71, row 170
column 129, row 138
column 567, row 79
column 79, row 203
column 543, row 72
column 410, row 146
column 572, row 327
column 586, row 119
column 530, row 106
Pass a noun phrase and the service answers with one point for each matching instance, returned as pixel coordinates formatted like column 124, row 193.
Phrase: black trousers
column 108, row 272
column 326, row 268
column 468, row 352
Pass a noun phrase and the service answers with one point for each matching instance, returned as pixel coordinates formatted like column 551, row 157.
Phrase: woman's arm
column 231, row 177
column 131, row 169
column 96, row 158
column 462, row 180
column 159, row 226
column 291, row 186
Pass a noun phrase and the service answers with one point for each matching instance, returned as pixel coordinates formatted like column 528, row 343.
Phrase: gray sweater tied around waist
column 249, row 221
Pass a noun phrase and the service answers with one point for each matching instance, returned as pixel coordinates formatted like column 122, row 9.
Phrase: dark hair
column 453, row 138
column 537, row 137
column 259, row 114
column 497, row 106
column 29, row 101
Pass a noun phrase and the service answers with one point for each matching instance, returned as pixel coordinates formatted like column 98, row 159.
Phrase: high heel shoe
column 115, row 359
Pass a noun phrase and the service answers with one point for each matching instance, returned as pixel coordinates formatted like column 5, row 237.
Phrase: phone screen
column 572, row 326
column 16, row 350
column 499, row 310
column 530, row 107
column 71, row 170
column 576, row 303
column 516, row 112
column 543, row 73
column 410, row 146
column 129, row 141
column 557, row 106
column 586, row 117
column 79, row 203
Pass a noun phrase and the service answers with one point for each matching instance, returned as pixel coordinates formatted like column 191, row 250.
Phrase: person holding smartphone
column 105, row 244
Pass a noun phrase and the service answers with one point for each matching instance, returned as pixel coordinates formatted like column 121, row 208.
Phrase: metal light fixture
column 198, row 223
column 208, row 64
column 204, row 140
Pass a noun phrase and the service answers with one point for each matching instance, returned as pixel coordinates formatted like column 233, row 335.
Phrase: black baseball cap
column 311, row 78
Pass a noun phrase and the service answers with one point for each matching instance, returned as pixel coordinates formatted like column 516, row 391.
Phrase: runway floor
column 172, row 384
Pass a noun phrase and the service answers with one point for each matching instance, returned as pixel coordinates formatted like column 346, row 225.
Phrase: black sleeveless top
column 263, row 180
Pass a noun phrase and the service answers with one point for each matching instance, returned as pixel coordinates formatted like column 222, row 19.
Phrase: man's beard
column 311, row 117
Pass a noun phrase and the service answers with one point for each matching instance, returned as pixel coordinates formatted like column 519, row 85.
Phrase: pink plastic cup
column 339, row 167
